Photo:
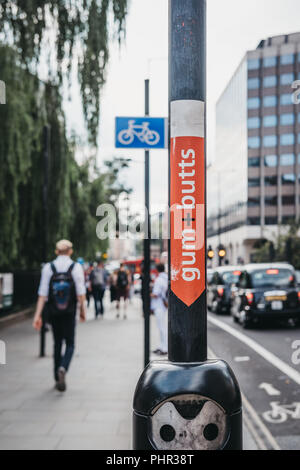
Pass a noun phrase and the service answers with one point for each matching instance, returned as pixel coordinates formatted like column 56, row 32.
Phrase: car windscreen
column 231, row 277
column 272, row 278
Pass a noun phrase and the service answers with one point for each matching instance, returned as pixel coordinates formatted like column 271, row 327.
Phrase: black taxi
column 266, row 291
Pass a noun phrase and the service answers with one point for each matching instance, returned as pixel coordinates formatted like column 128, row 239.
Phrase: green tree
column 79, row 38
column 74, row 193
column 285, row 248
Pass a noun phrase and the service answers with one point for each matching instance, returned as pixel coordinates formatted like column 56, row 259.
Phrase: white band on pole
column 187, row 118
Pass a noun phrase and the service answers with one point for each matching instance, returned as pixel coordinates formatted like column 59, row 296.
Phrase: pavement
column 96, row 411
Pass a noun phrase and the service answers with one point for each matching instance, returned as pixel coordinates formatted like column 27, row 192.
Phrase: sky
column 233, row 27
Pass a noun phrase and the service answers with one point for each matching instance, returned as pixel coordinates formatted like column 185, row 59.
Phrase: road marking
column 260, row 424
column 270, row 390
column 263, row 352
column 253, row 420
column 242, row 359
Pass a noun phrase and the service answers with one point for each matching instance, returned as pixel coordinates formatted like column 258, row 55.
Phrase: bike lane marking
column 263, row 352
column 255, row 425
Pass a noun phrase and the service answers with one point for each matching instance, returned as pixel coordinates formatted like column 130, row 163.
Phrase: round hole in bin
column 167, row 433
column 211, row 432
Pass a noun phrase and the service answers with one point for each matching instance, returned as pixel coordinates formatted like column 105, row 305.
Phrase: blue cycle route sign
column 141, row 132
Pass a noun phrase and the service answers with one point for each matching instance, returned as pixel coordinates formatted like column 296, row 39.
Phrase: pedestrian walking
column 122, row 292
column 159, row 306
column 98, row 279
column 88, row 286
column 62, row 288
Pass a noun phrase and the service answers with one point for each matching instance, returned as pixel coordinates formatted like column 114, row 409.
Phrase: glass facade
column 253, row 123
column 288, row 200
column 253, row 142
column 270, row 81
column 253, row 182
column 288, row 178
column 270, row 61
column 253, row 162
column 270, row 140
column 270, row 121
column 287, row 59
column 270, row 101
column 287, row 139
column 287, row 159
column 253, row 64
column 271, row 161
column 253, row 83
column 287, row 78
column 271, row 180
column 271, row 200
column 287, row 119
column 253, row 103
column 286, row 99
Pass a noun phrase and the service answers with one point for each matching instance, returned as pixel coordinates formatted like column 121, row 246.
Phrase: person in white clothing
column 62, row 287
column 159, row 306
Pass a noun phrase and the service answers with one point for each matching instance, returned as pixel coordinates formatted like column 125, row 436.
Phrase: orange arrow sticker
column 187, row 199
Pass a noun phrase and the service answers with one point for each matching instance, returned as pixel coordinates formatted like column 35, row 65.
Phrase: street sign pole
column 147, row 241
column 187, row 402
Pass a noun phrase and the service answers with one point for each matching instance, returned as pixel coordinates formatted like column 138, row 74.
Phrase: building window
column 287, row 119
column 271, row 161
column 253, row 220
column 270, row 61
column 271, row 220
column 286, row 99
column 288, row 200
column 287, row 159
column 253, row 83
column 253, row 162
column 288, row 178
column 253, row 103
column 287, row 219
column 270, row 101
column 253, row 64
column 271, row 180
column 287, row 59
column 287, row 139
column 270, row 121
column 271, row 200
column 270, row 141
column 254, row 123
column 253, row 201
column 287, row 78
column 270, row 81
column 253, row 182
column 253, row 142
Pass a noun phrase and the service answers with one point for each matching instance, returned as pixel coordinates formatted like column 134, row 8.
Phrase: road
column 262, row 361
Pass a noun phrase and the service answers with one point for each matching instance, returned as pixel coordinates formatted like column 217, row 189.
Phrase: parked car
column 219, row 288
column 266, row 291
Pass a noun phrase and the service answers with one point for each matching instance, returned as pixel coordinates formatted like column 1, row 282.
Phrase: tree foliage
column 79, row 35
column 285, row 248
column 74, row 193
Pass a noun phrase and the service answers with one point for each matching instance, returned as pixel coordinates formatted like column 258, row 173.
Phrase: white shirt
column 62, row 264
column 160, row 289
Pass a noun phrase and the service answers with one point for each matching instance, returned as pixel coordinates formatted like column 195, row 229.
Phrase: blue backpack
column 62, row 293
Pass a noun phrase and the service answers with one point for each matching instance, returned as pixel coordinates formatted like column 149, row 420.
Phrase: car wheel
column 246, row 322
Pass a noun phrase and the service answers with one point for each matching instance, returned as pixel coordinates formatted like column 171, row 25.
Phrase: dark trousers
column 98, row 294
column 63, row 328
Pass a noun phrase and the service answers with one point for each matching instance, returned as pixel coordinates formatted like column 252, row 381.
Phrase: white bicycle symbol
column 280, row 413
column 142, row 132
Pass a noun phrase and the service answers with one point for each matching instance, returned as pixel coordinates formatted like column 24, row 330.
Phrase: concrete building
column 254, row 182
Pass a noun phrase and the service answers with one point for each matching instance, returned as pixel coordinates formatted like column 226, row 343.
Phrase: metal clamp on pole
column 188, row 402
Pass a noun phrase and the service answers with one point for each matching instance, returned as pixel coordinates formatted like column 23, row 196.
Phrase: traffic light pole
column 187, row 402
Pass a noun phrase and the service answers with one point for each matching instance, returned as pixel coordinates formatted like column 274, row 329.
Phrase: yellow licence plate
column 276, row 297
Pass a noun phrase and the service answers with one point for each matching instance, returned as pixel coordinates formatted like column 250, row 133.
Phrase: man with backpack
column 122, row 292
column 62, row 286
column 159, row 305
column 98, row 278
